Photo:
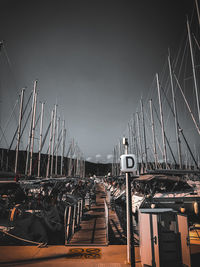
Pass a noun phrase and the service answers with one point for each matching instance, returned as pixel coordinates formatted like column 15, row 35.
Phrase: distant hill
column 98, row 169
column 7, row 163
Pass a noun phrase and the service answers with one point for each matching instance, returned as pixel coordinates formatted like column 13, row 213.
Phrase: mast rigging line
column 2, row 45
column 45, row 136
column 4, row 136
column 12, row 112
column 181, row 130
column 187, row 104
column 22, row 119
column 195, row 39
column 59, row 141
column 156, row 139
column 165, row 136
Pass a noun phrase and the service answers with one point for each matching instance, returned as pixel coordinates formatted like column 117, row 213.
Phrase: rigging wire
column 9, row 119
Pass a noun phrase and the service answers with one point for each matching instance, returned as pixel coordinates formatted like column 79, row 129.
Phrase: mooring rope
column 25, row 240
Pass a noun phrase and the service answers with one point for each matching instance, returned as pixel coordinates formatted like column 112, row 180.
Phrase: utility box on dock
column 164, row 238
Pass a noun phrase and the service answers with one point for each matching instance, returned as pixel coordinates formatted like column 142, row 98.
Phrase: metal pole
column 153, row 135
column 129, row 221
column 78, row 214
column 193, row 69
column 162, row 122
column 33, row 130
column 178, row 140
column 81, row 214
column 53, row 141
column 74, row 217
column 40, row 143
column 144, row 133
column 68, row 223
column 19, row 129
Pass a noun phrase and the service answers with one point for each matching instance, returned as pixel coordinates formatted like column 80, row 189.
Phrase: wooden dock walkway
column 93, row 226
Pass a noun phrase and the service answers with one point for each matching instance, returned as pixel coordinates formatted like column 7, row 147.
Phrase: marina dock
column 89, row 246
column 87, row 256
column 93, row 226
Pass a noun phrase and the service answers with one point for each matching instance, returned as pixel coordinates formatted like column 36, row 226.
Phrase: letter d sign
column 128, row 163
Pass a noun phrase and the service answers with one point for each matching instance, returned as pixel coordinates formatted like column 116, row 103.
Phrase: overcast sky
column 94, row 58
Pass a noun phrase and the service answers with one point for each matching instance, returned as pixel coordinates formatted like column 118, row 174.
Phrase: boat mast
column 77, row 161
column 53, row 141
column 50, row 141
column 193, row 69
column 114, row 165
column 178, row 140
column 19, row 129
column 197, row 8
column 129, row 136
column 30, row 130
column 132, row 137
column 135, row 137
column 40, row 142
column 153, row 134
column 162, row 122
column 33, row 133
column 57, row 145
column 70, row 158
column 118, row 157
column 139, row 139
column 63, row 147
column 83, row 167
column 64, row 141
column 144, row 133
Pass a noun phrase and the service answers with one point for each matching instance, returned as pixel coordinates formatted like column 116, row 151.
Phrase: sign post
column 128, row 164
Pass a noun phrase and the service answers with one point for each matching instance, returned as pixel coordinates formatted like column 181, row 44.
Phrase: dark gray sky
column 95, row 58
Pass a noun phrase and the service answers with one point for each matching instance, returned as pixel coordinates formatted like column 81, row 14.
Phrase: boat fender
column 196, row 208
column 14, row 212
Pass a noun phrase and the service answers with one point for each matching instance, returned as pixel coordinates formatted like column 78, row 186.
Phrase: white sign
column 128, row 163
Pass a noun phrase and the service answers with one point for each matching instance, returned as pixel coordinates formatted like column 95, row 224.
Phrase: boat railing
column 72, row 219
column 106, row 220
